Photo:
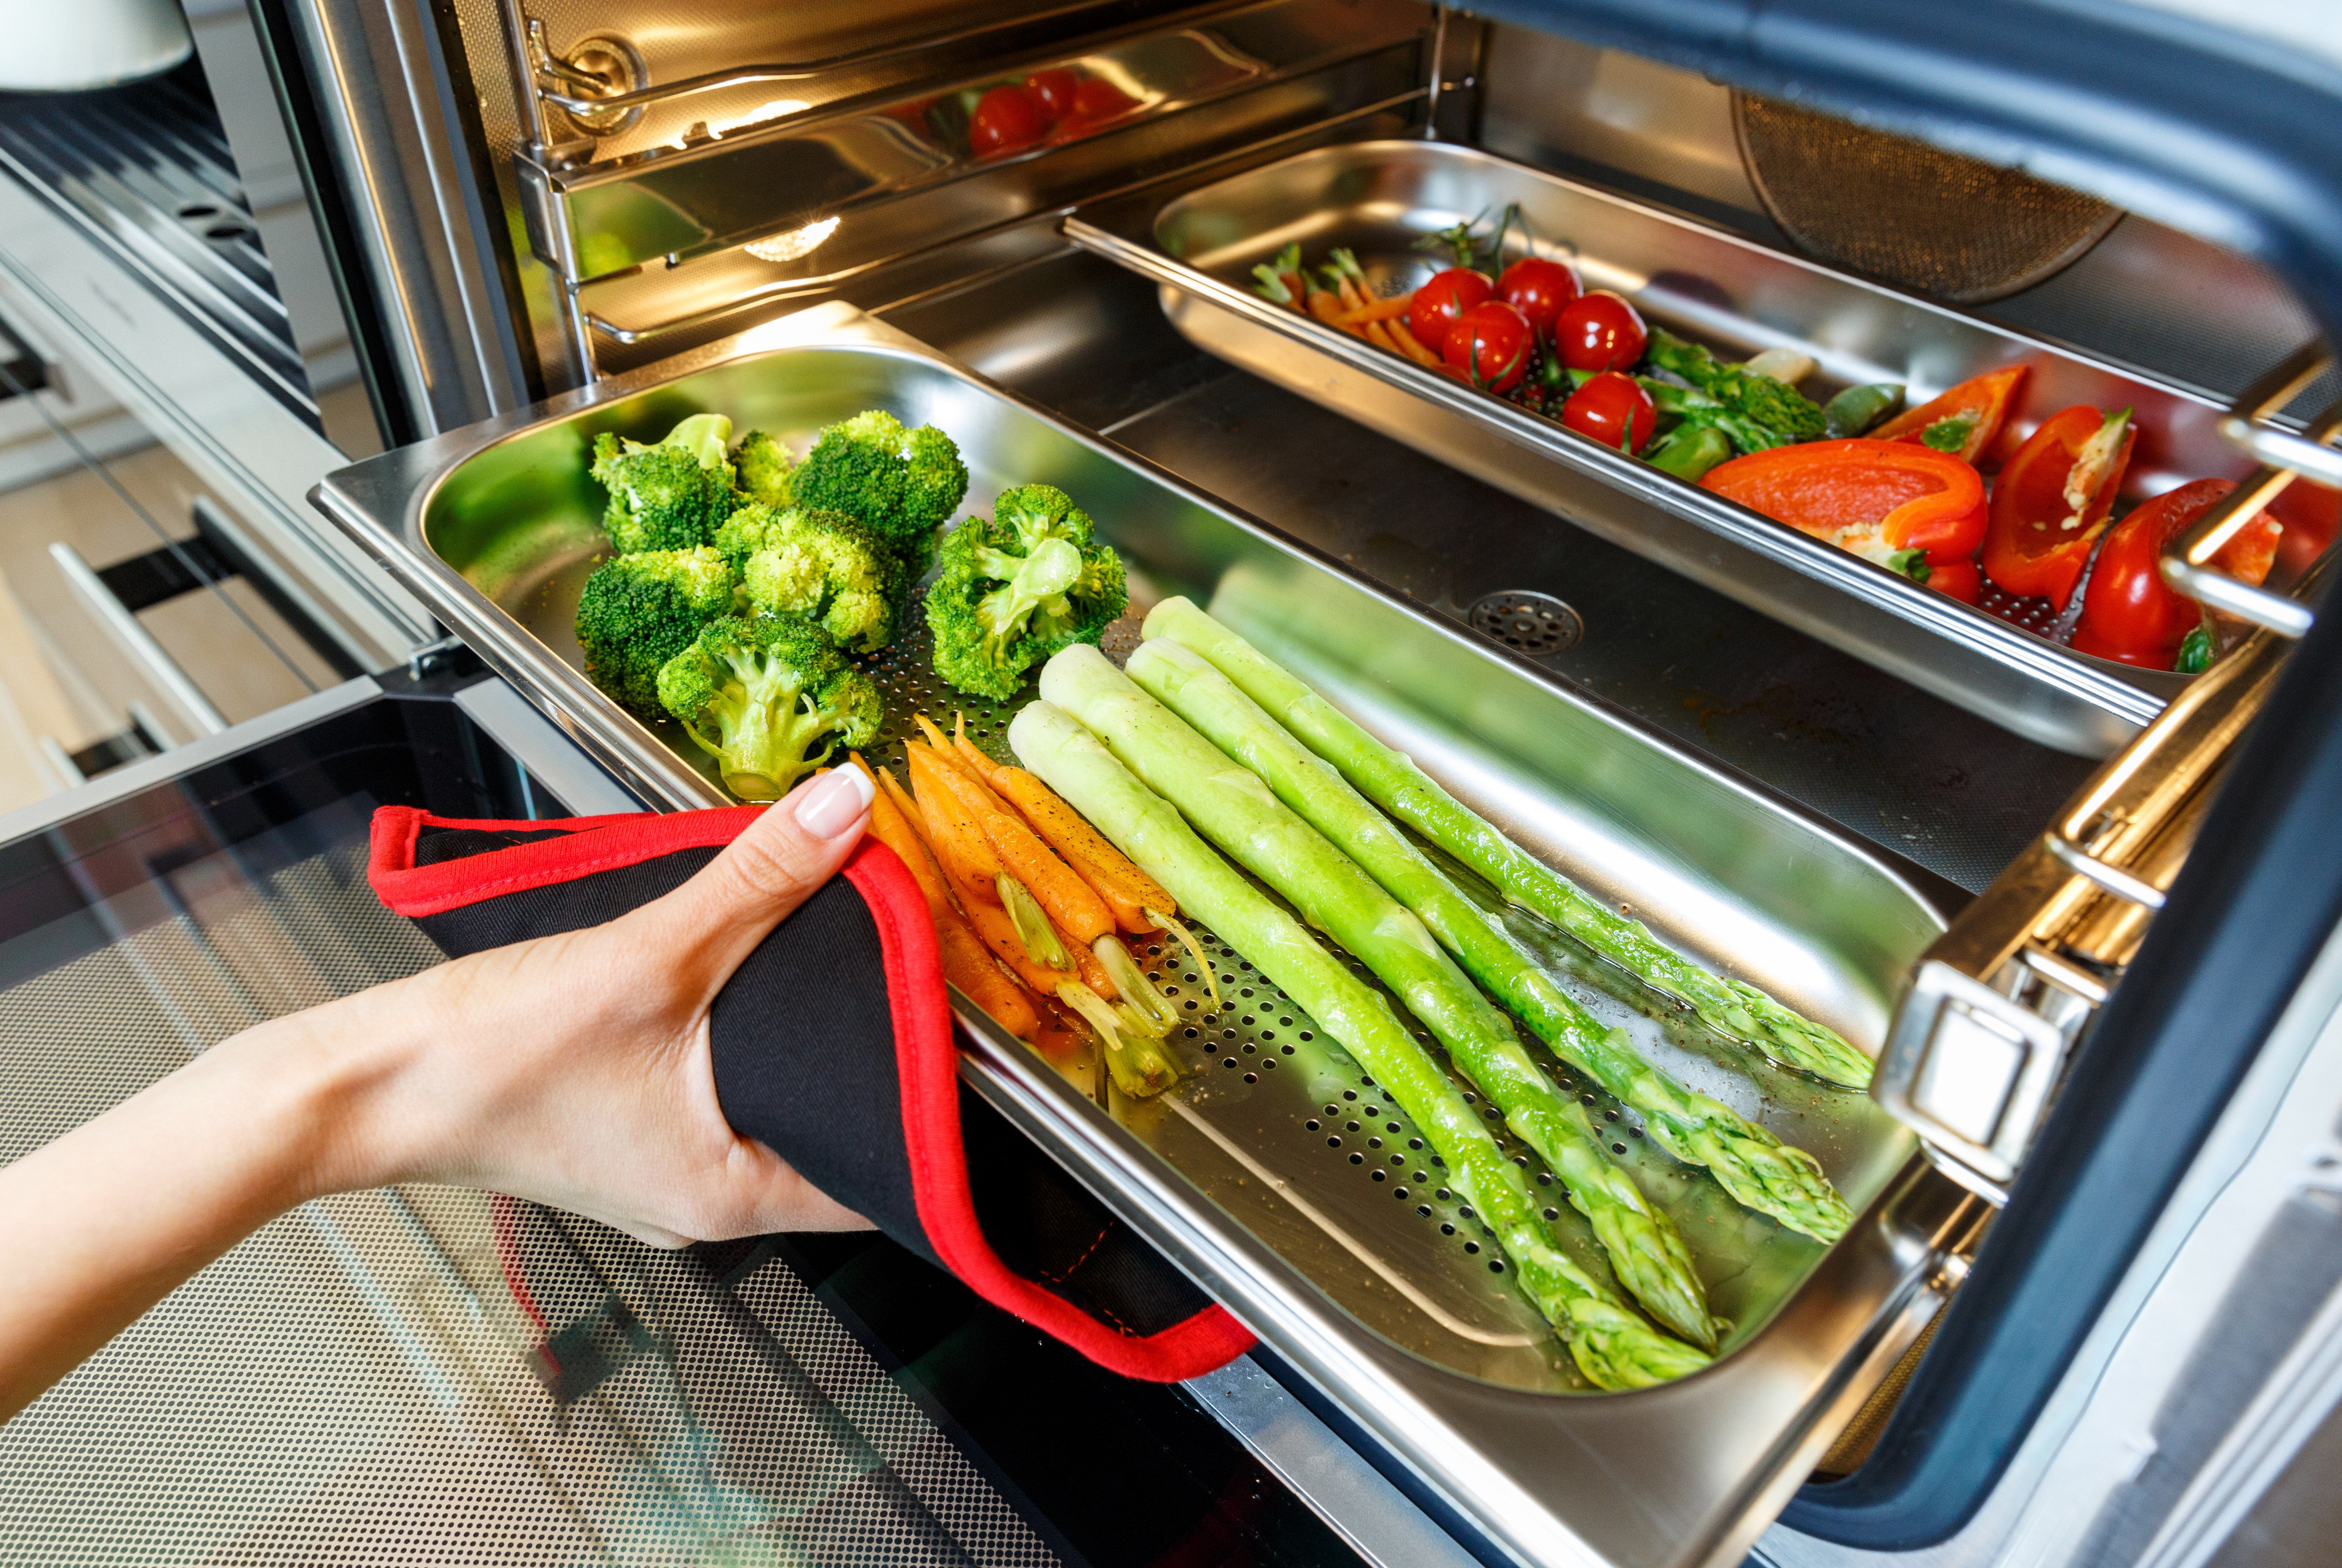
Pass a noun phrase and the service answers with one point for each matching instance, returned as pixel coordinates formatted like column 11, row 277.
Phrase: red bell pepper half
column 2128, row 614
column 1908, row 508
column 1964, row 421
column 2051, row 501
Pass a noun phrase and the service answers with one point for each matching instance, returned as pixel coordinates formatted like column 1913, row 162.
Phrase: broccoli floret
column 637, row 612
column 903, row 485
column 769, row 697
column 1017, row 589
column 670, row 496
column 763, row 464
column 822, row 565
column 1754, row 410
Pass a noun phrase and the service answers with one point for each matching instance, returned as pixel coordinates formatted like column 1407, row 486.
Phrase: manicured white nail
column 834, row 803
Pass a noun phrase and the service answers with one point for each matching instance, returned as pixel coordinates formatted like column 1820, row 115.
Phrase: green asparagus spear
column 1393, row 782
column 1232, row 810
column 1610, row 1343
column 1749, row 1163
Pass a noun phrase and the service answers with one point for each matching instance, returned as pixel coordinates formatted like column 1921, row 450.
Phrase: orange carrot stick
column 1325, row 305
column 1127, row 891
column 1075, row 910
column 966, row 962
column 983, row 767
column 999, row 934
column 1411, row 345
column 1376, row 310
column 968, row 966
column 953, row 833
column 890, row 827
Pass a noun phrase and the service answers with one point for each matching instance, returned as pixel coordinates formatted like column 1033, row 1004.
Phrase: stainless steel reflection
column 1380, row 197
column 496, row 526
column 393, row 140
column 787, row 165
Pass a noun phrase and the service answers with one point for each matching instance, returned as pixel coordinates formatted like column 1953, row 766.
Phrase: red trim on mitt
column 414, row 890
column 926, row 1060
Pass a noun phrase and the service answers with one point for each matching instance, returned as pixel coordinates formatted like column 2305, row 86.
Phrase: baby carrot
column 1076, row 911
column 958, row 840
column 890, row 827
column 998, row 932
column 1127, row 891
column 966, row 960
column 968, row 966
column 1410, row 345
column 1377, row 310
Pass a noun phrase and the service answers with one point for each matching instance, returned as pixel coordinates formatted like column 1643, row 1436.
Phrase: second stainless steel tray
column 1273, row 1173
column 1380, row 197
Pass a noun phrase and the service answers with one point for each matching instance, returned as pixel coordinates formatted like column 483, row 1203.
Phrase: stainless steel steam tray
column 1380, row 197
column 1273, row 1173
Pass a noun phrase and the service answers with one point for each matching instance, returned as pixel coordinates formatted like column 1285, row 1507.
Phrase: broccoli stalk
column 822, row 565
column 637, row 612
column 902, row 484
column 761, row 694
column 1757, row 412
column 1017, row 589
column 670, row 496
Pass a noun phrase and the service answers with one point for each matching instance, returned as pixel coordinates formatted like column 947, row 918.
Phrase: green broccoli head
column 637, row 612
column 827, row 567
column 763, row 464
column 769, row 697
column 1015, row 590
column 670, row 496
column 902, row 484
column 751, row 527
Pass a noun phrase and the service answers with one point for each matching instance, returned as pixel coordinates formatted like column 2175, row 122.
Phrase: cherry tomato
column 1539, row 289
column 1097, row 100
column 1438, row 303
column 1600, row 331
column 1003, row 121
column 1490, row 345
column 1052, row 93
column 1614, row 410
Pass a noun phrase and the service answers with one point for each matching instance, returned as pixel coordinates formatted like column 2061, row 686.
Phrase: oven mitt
column 833, row 1045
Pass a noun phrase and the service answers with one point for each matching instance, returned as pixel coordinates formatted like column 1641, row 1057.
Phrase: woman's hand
column 573, row 1070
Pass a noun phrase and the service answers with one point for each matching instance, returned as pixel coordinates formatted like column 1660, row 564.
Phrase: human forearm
column 99, row 1226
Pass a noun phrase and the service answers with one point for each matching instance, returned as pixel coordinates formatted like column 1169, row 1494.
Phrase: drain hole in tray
column 1526, row 621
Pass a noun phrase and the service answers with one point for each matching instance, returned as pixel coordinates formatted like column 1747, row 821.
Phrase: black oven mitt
column 833, row 1045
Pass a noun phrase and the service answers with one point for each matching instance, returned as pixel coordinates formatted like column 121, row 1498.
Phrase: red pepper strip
column 1958, row 578
column 2128, row 614
column 1887, row 500
column 1974, row 411
column 2046, row 511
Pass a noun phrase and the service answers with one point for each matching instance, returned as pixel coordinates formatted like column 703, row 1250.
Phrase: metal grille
column 145, row 172
column 368, row 1380
column 1899, row 210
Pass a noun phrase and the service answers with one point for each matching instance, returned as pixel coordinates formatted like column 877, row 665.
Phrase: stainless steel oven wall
column 2146, row 296
column 628, row 235
column 385, row 120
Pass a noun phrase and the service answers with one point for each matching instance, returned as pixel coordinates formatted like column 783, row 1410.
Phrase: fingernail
column 834, row 803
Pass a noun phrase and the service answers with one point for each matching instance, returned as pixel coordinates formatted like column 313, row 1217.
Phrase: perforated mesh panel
column 1901, row 210
column 366, row 1381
